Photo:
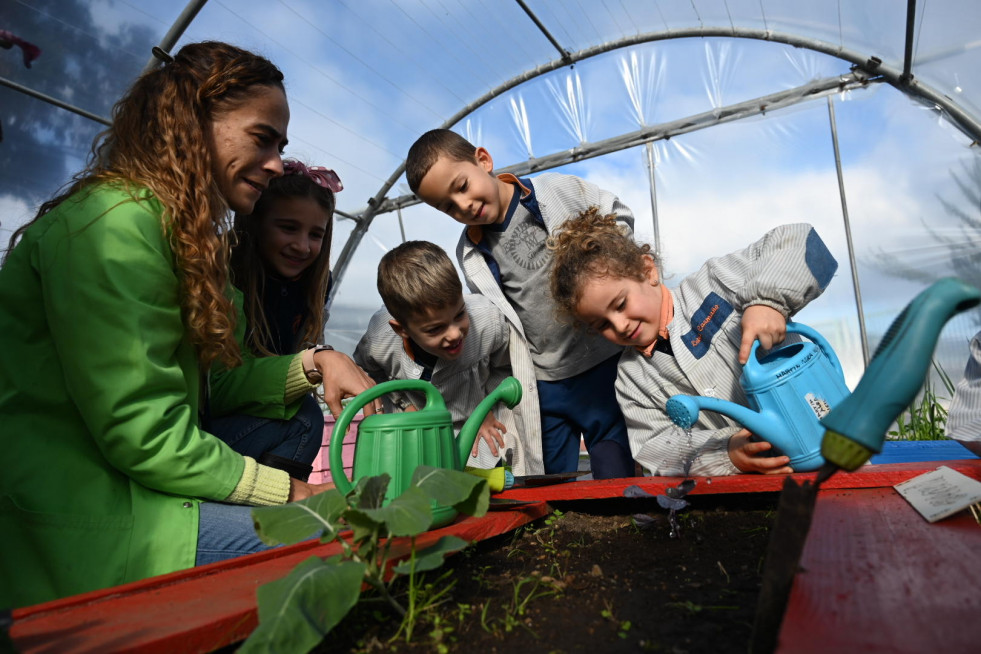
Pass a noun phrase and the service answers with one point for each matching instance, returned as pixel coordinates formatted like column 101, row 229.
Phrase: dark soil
column 589, row 579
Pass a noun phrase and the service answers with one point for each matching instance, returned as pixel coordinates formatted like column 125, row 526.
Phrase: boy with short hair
column 504, row 256
column 429, row 330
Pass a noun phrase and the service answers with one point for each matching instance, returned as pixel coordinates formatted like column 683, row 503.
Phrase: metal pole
column 176, row 31
column 650, row 179
column 56, row 102
column 401, row 224
column 848, row 235
column 907, row 74
column 548, row 35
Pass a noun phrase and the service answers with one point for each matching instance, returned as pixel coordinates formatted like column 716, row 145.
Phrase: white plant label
column 940, row 493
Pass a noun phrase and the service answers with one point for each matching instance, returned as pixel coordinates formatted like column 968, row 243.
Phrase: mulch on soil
column 597, row 583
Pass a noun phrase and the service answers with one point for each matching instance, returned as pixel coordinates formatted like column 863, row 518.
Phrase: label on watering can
column 818, row 405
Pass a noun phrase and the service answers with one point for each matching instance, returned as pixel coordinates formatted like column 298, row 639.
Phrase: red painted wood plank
column 869, row 476
column 879, row 578
column 200, row 609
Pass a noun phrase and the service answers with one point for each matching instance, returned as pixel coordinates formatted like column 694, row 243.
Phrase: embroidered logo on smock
column 705, row 323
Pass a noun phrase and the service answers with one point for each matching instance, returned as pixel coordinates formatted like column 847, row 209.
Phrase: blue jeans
column 585, row 405
column 225, row 531
column 298, row 439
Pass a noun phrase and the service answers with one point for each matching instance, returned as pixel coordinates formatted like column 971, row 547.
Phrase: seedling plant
column 298, row 611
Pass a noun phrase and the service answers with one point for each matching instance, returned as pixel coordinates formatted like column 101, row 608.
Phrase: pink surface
column 321, row 464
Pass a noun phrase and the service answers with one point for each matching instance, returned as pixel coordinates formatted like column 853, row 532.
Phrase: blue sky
column 366, row 77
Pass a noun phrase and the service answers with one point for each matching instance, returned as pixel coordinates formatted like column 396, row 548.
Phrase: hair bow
column 323, row 177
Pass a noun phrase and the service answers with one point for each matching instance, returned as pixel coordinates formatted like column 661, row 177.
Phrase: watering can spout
column 509, row 392
column 684, row 409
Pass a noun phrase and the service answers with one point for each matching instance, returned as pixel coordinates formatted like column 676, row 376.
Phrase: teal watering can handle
column 813, row 335
column 433, row 401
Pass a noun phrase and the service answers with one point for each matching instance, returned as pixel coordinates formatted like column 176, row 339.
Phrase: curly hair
column 429, row 147
column 159, row 139
column 417, row 276
column 248, row 266
column 588, row 246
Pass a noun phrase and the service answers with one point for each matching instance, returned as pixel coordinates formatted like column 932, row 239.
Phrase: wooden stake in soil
column 783, row 552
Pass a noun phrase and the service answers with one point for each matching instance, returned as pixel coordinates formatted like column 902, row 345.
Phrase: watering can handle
column 813, row 335
column 433, row 401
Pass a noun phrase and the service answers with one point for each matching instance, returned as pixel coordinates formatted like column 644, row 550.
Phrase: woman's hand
column 301, row 490
column 343, row 378
column 763, row 323
column 492, row 431
column 749, row 455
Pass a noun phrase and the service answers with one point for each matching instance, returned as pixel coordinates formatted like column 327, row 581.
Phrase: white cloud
column 14, row 212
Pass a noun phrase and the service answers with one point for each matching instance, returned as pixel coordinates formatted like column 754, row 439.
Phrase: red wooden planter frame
column 845, row 600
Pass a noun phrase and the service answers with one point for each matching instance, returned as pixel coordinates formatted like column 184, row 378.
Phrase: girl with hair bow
column 281, row 265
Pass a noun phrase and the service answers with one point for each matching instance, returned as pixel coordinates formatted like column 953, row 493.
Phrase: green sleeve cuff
column 296, row 381
column 261, row 486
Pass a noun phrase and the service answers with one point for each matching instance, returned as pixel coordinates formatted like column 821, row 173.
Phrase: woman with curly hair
column 119, row 332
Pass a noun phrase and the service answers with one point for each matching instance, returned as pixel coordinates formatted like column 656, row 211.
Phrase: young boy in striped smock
column 429, row 330
column 503, row 256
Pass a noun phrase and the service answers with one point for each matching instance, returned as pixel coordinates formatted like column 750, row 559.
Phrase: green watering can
column 396, row 443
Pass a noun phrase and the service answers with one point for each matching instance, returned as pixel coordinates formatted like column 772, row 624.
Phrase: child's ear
column 484, row 159
column 650, row 270
column 398, row 328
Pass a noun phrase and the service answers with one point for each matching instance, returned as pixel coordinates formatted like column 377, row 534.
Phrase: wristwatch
column 314, row 376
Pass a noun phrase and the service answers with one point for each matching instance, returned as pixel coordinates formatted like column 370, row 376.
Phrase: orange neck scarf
column 667, row 314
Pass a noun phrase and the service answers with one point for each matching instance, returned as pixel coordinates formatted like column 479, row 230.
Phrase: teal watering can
column 789, row 390
column 397, row 443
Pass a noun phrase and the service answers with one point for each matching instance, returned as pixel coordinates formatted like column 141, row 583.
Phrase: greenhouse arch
column 370, row 77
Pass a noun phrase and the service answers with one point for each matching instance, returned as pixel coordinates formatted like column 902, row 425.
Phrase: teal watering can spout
column 684, row 409
column 856, row 428
column 508, row 392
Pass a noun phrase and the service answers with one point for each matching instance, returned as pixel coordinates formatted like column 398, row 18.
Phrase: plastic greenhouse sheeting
column 725, row 145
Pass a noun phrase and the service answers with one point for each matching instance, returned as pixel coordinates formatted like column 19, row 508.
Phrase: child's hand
column 300, row 490
column 763, row 323
column 748, row 456
column 492, row 431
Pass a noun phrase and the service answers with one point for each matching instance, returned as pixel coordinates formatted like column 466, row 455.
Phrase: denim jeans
column 298, row 439
column 224, row 532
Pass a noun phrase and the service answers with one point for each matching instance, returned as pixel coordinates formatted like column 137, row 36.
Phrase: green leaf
column 432, row 557
column 409, row 514
column 296, row 521
column 297, row 611
column 371, row 491
column 363, row 523
column 467, row 493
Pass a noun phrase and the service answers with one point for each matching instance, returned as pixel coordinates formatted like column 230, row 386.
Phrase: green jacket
column 104, row 462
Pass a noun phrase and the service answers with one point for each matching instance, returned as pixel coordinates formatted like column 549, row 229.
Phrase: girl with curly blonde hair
column 690, row 340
